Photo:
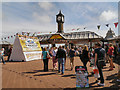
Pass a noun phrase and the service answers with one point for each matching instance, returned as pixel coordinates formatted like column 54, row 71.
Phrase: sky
column 41, row 17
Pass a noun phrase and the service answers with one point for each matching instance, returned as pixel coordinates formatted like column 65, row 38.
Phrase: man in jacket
column 99, row 57
column 61, row 55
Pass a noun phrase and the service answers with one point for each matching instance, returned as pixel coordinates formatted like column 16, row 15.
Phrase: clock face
column 59, row 18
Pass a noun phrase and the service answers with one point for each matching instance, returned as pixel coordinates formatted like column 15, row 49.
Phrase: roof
column 72, row 35
column 4, row 42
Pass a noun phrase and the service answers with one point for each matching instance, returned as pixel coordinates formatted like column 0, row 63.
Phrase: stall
column 26, row 48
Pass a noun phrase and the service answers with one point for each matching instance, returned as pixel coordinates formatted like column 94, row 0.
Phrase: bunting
column 28, row 33
column 98, row 26
column 85, row 27
column 107, row 25
column 23, row 33
column 78, row 28
column 116, row 24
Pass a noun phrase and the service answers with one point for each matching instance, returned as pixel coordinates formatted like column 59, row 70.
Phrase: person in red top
column 110, row 53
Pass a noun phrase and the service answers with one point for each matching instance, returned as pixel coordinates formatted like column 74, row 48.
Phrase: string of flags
column 98, row 26
column 107, row 25
column 33, row 34
column 23, row 33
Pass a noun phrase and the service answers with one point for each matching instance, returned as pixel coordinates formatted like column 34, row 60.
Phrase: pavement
column 31, row 75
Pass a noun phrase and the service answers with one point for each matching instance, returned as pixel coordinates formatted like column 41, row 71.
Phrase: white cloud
column 43, row 18
column 108, row 15
column 46, row 5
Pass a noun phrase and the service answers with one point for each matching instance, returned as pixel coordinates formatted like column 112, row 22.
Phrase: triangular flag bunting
column 78, row 28
column 116, row 24
column 107, row 25
column 98, row 26
column 73, row 29
column 84, row 27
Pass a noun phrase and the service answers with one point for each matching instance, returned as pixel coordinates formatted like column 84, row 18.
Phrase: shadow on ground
column 44, row 74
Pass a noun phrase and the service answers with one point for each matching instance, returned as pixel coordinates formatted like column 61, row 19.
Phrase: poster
column 26, row 48
column 29, row 43
column 32, row 55
column 81, row 77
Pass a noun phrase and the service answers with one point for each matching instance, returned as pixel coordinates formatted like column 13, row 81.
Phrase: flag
column 98, row 26
column 107, row 25
column 116, row 24
column 16, row 33
column 78, row 28
column 23, row 33
column 39, row 32
column 85, row 27
column 73, row 29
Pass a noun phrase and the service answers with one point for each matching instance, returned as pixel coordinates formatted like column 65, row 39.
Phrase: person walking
column 106, row 50
column 1, row 55
column 110, row 54
column 54, row 51
column 72, row 55
column 118, row 62
column 45, row 59
column 61, row 55
column 115, row 52
column 85, row 56
column 9, row 53
column 99, row 55
column 63, row 47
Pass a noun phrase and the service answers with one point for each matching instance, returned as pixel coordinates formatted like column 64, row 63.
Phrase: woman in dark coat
column 85, row 57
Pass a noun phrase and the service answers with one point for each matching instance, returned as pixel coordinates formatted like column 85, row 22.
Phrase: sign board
column 30, row 44
column 56, row 36
column 81, row 77
column 26, row 48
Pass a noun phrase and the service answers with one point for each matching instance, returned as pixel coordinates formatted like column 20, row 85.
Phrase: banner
column 26, row 48
column 29, row 44
column 32, row 55
column 81, row 77
column 56, row 37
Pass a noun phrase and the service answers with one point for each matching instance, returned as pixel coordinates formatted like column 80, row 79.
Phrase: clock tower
column 60, row 21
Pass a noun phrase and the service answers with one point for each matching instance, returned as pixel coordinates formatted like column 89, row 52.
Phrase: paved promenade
column 30, row 75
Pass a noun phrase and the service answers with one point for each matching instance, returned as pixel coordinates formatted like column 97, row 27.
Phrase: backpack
column 102, row 53
column 101, row 61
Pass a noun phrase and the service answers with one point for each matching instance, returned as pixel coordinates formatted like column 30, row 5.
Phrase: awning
column 57, row 36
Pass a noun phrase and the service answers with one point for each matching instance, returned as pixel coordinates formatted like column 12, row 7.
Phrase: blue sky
column 40, row 16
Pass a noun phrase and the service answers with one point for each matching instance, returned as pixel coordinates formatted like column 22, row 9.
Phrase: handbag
column 48, row 56
column 96, row 72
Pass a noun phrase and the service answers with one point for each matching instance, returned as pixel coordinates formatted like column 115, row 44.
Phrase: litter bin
column 82, row 80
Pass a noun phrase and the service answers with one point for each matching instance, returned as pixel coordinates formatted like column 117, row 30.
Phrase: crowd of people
column 97, row 56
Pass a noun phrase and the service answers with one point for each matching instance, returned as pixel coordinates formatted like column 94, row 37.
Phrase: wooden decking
column 30, row 75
